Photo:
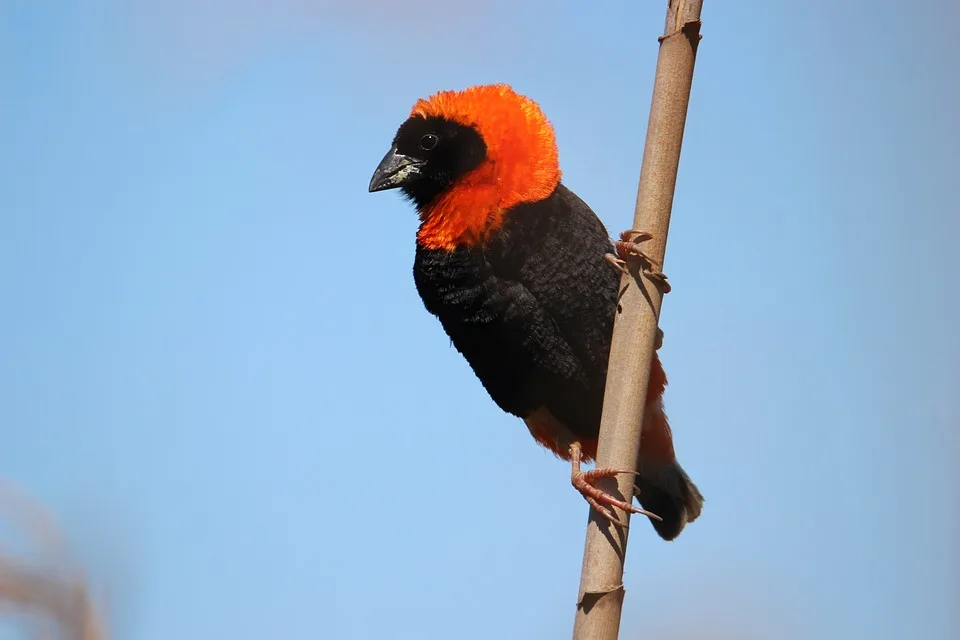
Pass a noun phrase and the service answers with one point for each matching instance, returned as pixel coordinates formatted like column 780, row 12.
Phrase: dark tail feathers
column 666, row 490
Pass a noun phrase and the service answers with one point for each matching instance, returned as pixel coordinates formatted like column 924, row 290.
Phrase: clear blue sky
column 215, row 369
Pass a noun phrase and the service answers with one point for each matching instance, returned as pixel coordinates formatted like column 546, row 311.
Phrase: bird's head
column 428, row 154
column 471, row 154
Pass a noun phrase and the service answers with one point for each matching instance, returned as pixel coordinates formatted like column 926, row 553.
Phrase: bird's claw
column 628, row 248
column 596, row 497
column 618, row 263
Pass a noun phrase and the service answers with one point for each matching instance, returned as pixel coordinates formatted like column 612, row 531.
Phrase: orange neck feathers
column 521, row 165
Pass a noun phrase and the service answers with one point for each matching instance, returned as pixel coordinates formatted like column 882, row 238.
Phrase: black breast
column 531, row 309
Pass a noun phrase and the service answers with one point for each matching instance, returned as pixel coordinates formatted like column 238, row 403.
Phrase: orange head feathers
column 466, row 157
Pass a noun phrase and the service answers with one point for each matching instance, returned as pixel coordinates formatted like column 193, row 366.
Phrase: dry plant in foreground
column 47, row 587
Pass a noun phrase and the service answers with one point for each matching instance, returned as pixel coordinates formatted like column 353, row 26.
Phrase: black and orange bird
column 516, row 268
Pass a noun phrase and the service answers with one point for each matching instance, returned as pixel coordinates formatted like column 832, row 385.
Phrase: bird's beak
column 394, row 171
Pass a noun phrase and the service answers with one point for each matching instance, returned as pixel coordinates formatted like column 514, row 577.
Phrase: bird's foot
column 596, row 497
column 628, row 248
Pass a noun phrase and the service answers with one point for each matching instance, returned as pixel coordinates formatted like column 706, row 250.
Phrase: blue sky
column 217, row 373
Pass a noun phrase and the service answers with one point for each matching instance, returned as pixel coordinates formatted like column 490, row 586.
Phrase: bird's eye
column 429, row 141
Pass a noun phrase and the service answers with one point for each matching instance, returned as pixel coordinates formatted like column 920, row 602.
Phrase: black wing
column 506, row 335
column 554, row 249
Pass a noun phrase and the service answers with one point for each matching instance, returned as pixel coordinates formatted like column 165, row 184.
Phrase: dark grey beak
column 394, row 171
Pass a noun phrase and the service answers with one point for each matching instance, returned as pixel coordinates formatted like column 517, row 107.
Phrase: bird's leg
column 595, row 497
column 628, row 248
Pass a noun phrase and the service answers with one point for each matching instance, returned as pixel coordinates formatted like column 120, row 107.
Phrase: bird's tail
column 664, row 487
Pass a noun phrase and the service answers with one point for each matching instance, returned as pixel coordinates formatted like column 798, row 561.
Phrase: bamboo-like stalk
column 601, row 593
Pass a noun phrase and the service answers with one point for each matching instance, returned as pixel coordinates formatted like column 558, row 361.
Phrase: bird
column 517, row 269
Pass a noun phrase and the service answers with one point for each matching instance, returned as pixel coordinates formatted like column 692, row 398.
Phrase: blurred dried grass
column 46, row 586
